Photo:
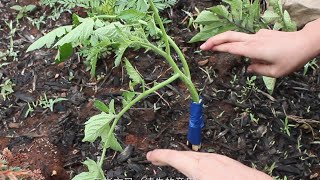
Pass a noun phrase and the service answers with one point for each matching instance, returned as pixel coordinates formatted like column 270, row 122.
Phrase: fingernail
column 249, row 69
column 203, row 46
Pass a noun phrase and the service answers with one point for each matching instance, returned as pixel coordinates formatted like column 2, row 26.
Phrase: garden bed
column 241, row 120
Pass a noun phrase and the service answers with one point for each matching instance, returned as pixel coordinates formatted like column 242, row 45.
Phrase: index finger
column 180, row 160
column 226, row 37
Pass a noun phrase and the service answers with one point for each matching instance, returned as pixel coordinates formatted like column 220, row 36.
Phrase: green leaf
column 270, row 16
column 64, row 52
column 269, row 83
column 131, row 15
column 142, row 6
column 206, row 18
column 30, row 7
column 290, row 25
column 127, row 97
column 95, row 171
column 95, row 126
column 112, row 142
column 101, row 106
column 277, row 26
column 80, row 33
column 133, row 74
column 236, row 9
column 49, row 38
column 110, row 31
column 119, row 54
column 211, row 30
column 220, row 10
column 111, row 107
column 16, row 7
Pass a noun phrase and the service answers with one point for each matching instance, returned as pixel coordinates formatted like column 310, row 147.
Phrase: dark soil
column 52, row 141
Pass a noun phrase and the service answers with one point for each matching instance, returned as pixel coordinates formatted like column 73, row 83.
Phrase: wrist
column 311, row 35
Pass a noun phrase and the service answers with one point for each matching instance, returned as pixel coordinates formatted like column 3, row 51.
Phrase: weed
column 286, row 126
column 44, row 102
column 10, row 51
column 311, row 64
column 23, row 10
column 6, row 88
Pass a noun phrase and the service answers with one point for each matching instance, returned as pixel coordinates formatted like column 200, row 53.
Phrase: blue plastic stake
column 196, row 124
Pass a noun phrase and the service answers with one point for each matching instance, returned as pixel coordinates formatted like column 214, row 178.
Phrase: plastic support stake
column 196, row 123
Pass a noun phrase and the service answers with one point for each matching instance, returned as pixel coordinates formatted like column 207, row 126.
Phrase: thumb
column 263, row 69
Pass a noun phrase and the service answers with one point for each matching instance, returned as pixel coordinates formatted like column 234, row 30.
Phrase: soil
column 242, row 122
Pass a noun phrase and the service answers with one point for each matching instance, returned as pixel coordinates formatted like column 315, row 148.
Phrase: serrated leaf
column 131, row 15
column 142, row 6
column 127, row 97
column 270, row 16
column 220, row 10
column 109, row 31
column 112, row 142
column 133, row 74
column 95, row 126
column 95, row 171
column 290, row 25
column 206, row 18
column 80, row 33
column 64, row 52
column 119, row 54
column 101, row 106
column 269, row 83
column 49, row 38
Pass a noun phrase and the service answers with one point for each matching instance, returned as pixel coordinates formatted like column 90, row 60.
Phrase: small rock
column 125, row 154
column 135, row 167
column 203, row 62
column 261, row 131
column 14, row 125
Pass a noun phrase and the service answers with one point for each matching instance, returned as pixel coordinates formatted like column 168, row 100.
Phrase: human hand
column 272, row 53
column 204, row 166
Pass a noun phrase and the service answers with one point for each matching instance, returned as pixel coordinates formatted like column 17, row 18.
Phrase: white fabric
column 302, row 11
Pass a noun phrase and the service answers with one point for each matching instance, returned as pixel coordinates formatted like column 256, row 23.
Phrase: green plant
column 100, row 34
column 10, row 51
column 243, row 16
column 23, row 10
column 44, row 102
column 6, row 88
column 126, row 25
column 311, row 64
column 286, row 126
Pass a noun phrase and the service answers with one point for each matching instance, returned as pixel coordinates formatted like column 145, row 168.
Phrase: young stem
column 128, row 106
column 159, row 21
column 182, row 58
column 187, row 80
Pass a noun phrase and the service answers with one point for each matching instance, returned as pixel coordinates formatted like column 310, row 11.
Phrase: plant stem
column 182, row 58
column 159, row 21
column 187, row 80
column 128, row 106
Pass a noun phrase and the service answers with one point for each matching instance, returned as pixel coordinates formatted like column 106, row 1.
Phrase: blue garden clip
column 196, row 124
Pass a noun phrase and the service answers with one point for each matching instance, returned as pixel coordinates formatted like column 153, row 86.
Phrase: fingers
column 184, row 162
column 264, row 69
column 227, row 37
column 237, row 48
